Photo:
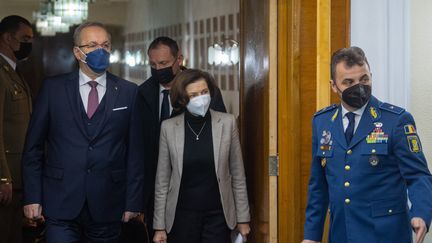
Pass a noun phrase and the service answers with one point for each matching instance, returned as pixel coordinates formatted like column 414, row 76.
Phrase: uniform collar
column 9, row 61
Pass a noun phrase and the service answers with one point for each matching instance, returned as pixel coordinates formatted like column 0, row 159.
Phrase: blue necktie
column 165, row 109
column 349, row 132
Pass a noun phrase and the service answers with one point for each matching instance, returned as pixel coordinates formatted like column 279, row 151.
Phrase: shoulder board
column 324, row 110
column 392, row 108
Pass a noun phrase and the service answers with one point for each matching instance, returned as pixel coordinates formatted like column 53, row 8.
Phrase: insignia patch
column 410, row 129
column 335, row 115
column 373, row 160
column 323, row 162
column 377, row 135
column 414, row 143
column 373, row 112
column 6, row 68
column 326, row 140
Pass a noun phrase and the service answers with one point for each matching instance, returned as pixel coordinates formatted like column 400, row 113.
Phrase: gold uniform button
column 349, row 151
column 373, row 151
column 347, row 167
column 347, row 184
column 347, row 201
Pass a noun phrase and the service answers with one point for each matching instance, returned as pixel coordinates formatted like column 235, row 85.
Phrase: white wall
column 397, row 39
column 381, row 29
column 421, row 75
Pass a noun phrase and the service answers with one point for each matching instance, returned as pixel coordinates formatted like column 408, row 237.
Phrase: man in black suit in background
column 165, row 61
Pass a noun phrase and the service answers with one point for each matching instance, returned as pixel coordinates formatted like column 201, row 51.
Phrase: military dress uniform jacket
column 364, row 184
column 15, row 109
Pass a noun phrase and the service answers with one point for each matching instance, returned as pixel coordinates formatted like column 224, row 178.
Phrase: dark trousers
column 11, row 219
column 82, row 229
column 199, row 227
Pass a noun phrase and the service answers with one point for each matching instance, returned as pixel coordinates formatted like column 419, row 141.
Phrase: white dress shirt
column 8, row 60
column 358, row 114
column 84, row 87
column 162, row 88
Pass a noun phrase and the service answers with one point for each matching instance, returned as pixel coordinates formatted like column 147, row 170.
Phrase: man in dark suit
column 165, row 61
column 15, row 107
column 91, row 177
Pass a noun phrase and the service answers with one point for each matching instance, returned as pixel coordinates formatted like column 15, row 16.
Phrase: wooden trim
column 323, row 29
column 273, row 129
column 289, row 191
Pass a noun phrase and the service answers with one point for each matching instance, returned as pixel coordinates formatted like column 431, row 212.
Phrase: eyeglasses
column 94, row 46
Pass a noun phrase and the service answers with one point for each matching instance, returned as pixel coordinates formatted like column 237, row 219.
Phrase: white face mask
column 199, row 105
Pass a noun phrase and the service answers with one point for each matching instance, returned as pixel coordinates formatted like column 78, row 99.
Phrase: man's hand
column 160, row 236
column 33, row 211
column 309, row 241
column 244, row 230
column 5, row 193
column 419, row 227
column 127, row 216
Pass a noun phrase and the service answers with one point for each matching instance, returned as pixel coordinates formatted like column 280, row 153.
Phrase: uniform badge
column 377, row 135
column 335, row 115
column 326, row 141
column 6, row 68
column 323, row 162
column 373, row 160
column 414, row 143
column 410, row 129
column 373, row 112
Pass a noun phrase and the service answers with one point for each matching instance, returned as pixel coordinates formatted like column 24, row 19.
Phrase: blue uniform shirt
column 364, row 184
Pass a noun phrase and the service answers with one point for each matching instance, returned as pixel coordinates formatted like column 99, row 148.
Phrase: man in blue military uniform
column 366, row 156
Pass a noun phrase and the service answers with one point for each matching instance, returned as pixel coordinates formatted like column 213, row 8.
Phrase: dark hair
column 12, row 23
column 178, row 95
column 164, row 40
column 77, row 32
column 351, row 56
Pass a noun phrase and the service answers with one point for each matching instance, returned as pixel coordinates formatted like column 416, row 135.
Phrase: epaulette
column 328, row 108
column 392, row 108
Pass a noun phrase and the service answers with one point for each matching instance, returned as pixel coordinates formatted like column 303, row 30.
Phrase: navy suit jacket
column 365, row 183
column 63, row 167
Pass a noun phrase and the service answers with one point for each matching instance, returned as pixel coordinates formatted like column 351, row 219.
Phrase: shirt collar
column 161, row 88
column 358, row 112
column 84, row 79
column 9, row 61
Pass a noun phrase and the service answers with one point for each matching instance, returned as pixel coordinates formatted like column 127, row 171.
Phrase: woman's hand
column 244, row 230
column 160, row 236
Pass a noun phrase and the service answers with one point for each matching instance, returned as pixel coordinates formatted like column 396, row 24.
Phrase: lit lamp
column 57, row 15
column 223, row 53
column 71, row 11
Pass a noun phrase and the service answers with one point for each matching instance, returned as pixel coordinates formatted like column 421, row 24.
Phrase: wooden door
column 308, row 32
column 258, row 117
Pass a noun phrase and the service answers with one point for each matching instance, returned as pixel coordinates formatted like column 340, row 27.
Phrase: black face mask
column 357, row 95
column 24, row 50
column 163, row 75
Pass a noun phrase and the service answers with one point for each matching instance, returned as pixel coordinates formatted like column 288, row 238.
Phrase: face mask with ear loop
column 357, row 95
column 97, row 60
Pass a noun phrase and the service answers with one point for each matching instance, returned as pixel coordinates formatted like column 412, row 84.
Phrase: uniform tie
column 93, row 99
column 165, row 109
column 349, row 132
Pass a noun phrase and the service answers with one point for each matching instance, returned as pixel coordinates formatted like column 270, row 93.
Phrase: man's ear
column 333, row 86
column 78, row 55
column 180, row 59
column 6, row 37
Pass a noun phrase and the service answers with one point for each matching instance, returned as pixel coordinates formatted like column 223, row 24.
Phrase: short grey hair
column 77, row 32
